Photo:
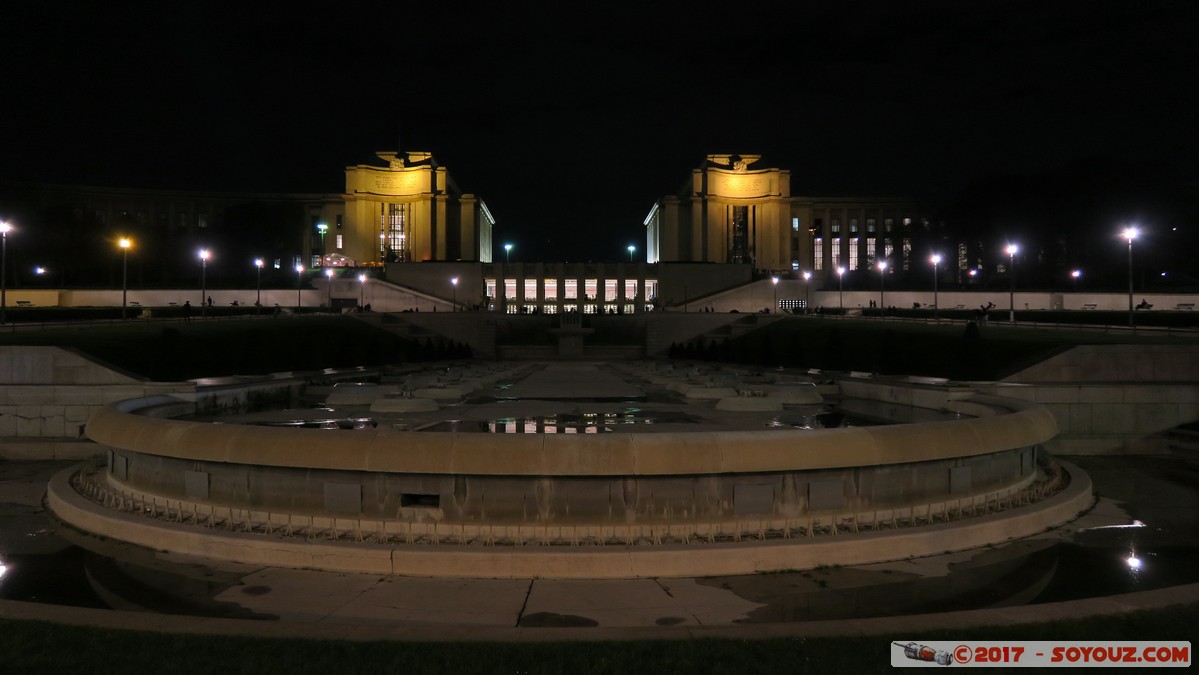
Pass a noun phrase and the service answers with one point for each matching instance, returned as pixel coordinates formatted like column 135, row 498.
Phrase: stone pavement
column 368, row 607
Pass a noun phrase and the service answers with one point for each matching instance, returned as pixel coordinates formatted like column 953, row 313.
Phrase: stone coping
column 576, row 562
column 613, row 454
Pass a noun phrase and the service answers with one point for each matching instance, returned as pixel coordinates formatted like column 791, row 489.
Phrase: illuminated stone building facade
column 730, row 213
column 408, row 211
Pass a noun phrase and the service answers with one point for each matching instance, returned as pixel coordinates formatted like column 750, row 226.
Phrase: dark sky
column 570, row 122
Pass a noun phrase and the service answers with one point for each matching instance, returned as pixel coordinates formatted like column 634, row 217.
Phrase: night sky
column 570, row 123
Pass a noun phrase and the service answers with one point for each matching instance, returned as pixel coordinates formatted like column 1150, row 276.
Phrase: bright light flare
column 125, row 243
column 1134, row 563
column 936, row 259
column 205, row 254
column 807, row 276
column 1011, row 250
column 1130, row 233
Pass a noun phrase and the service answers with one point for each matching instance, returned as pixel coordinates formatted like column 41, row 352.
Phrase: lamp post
column 329, row 284
column 5, row 228
column 1130, row 233
column 807, row 277
column 841, row 289
column 323, row 229
column 454, row 283
column 631, row 250
column 775, row 283
column 1076, row 275
column 204, row 255
column 1011, row 253
column 258, row 263
column 124, row 243
column 936, row 261
column 361, row 290
column 882, row 283
column 299, row 280
column 507, row 253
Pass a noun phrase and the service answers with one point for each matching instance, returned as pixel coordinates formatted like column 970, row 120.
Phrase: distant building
column 410, row 211
column 729, row 213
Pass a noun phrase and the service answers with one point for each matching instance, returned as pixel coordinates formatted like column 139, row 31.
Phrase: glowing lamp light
column 807, row 276
column 1130, row 233
column 329, row 272
column 1134, row 563
column 1076, row 274
column 1011, row 250
column 840, row 271
column 39, row 270
column 204, row 254
column 258, row 262
column 362, row 278
column 299, row 269
column 774, row 280
column 936, row 259
column 882, row 265
column 125, row 243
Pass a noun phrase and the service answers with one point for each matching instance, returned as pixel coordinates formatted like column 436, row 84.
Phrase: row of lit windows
column 871, row 251
column 573, row 308
column 570, row 289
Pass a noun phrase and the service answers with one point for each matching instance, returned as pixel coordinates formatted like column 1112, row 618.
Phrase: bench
column 26, row 303
column 1185, row 306
column 1091, row 305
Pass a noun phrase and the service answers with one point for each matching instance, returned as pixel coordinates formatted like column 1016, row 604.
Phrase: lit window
column 551, row 289
column 651, row 289
column 510, row 289
column 590, row 290
column 570, row 308
column 550, row 309
column 609, row 290
column 853, row 253
column 628, row 309
column 836, row 227
column 853, row 225
column 340, row 243
column 589, row 309
column 277, row 264
column 818, row 253
column 794, row 265
column 630, row 289
column 870, row 227
column 836, row 250
column 795, row 224
column 530, row 289
column 571, row 289
column 907, row 221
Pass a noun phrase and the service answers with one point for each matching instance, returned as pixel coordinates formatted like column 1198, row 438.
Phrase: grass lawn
column 181, row 351
column 953, row 351
column 35, row 647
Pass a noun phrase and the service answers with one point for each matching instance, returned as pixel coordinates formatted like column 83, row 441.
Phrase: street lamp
column 5, row 228
column 841, row 289
column 322, row 228
column 631, row 249
column 1130, row 233
column 1011, row 253
column 807, row 277
column 775, row 308
column 124, row 243
column 936, row 261
column 882, row 282
column 1075, row 275
column 361, row 290
column 454, row 283
column 299, row 280
column 507, row 253
column 258, row 262
column 329, row 284
column 204, row 255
